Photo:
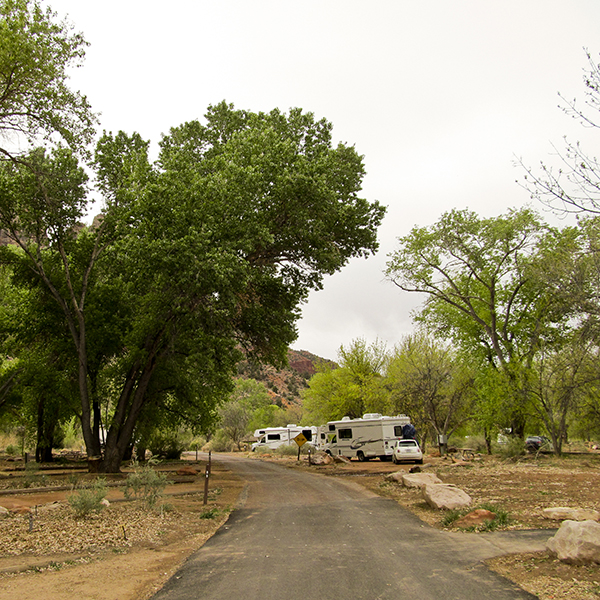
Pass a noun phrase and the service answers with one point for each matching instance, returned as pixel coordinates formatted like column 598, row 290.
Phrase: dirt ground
column 47, row 553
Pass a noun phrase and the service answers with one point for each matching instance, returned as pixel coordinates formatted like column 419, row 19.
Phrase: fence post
column 206, row 476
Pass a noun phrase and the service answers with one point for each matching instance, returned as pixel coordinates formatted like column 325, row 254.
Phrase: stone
column 397, row 476
column 4, row 511
column 49, row 506
column 563, row 513
column 341, row 459
column 328, row 459
column 105, row 502
column 419, row 480
column 20, row 510
column 445, row 496
column 187, row 471
column 576, row 542
column 474, row 518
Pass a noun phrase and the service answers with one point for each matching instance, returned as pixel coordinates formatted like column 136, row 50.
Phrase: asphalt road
column 303, row 536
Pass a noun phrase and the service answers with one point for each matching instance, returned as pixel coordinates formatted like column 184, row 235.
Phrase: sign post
column 300, row 439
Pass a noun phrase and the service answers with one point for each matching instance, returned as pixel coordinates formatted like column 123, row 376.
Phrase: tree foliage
column 483, row 289
column 429, row 382
column 209, row 251
column 36, row 53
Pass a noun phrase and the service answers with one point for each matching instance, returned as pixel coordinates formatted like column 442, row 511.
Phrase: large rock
column 563, row 513
column 445, row 496
column 419, row 480
column 576, row 542
column 474, row 518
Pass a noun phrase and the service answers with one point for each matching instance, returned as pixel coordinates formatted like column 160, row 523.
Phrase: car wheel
column 394, row 459
column 419, row 462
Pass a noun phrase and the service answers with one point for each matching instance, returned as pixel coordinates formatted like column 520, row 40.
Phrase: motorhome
column 372, row 436
column 274, row 437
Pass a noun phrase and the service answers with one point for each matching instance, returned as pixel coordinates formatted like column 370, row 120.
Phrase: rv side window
column 332, row 428
column 273, row 436
column 345, row 434
column 307, row 433
column 397, row 430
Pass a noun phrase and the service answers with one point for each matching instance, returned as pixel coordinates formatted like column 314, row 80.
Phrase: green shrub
column 33, row 478
column 513, row 448
column 12, row 450
column 88, row 498
column 219, row 443
column 145, row 484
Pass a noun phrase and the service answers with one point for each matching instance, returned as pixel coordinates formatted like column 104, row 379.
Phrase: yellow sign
column 300, row 440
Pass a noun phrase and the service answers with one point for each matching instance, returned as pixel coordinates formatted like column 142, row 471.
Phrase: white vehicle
column 274, row 437
column 372, row 436
column 405, row 450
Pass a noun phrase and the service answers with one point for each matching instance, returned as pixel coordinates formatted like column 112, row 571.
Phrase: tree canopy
column 36, row 101
column 206, row 253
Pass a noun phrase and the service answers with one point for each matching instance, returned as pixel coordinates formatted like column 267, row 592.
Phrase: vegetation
column 87, row 499
column 154, row 325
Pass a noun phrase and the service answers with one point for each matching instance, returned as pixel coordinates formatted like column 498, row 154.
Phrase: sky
column 441, row 97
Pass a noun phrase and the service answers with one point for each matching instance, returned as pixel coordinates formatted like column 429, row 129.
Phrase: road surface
column 304, row 536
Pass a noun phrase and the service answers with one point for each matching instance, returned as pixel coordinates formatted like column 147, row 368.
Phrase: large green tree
column 484, row 291
column 209, row 251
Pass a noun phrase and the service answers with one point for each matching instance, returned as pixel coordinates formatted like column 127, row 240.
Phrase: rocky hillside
column 285, row 385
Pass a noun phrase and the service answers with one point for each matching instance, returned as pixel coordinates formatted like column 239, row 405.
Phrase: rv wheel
column 361, row 457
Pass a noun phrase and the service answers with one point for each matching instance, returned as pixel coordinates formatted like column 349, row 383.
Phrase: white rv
column 273, row 437
column 372, row 436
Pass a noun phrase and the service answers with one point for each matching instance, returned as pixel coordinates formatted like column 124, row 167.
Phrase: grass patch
column 501, row 521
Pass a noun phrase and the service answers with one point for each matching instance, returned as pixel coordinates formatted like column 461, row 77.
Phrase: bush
column 168, row 446
column 145, row 484
column 88, row 498
column 33, row 478
column 219, row 443
column 513, row 448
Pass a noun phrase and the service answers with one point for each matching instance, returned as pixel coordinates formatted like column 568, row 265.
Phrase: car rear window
column 407, row 443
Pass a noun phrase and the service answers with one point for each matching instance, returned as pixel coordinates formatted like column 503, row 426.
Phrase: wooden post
column 206, row 476
column 210, row 461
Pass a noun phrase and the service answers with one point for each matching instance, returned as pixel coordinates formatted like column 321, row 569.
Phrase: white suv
column 407, row 450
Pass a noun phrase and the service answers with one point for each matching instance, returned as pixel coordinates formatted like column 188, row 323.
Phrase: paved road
column 303, row 536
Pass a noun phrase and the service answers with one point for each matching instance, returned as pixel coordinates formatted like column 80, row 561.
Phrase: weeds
column 210, row 513
column 502, row 518
column 145, row 484
column 88, row 498
column 33, row 478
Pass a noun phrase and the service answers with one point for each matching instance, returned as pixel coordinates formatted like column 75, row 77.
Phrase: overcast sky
column 440, row 96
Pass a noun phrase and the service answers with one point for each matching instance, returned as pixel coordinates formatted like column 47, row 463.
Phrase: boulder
column 341, row 459
column 576, row 542
column 474, row 518
column 445, row 496
column 105, row 502
column 563, row 513
column 419, row 480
